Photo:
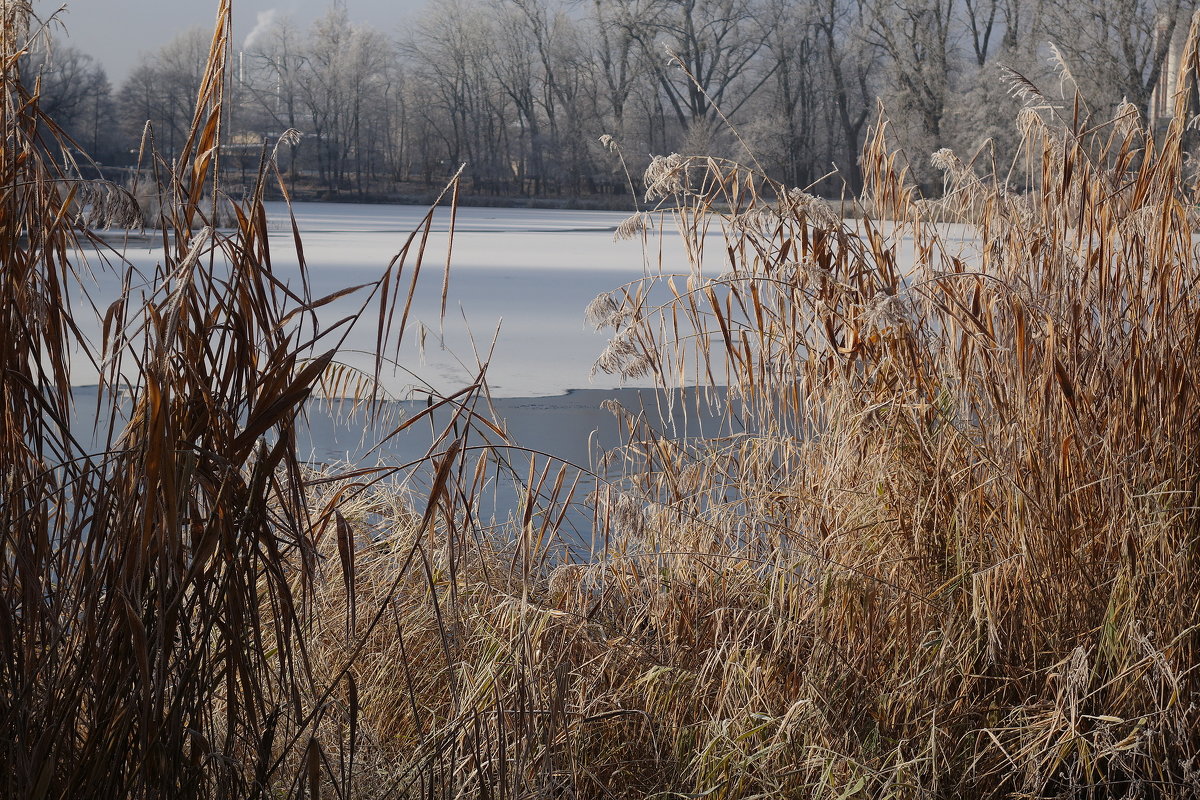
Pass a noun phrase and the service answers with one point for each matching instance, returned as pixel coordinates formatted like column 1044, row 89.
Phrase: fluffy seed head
column 665, row 176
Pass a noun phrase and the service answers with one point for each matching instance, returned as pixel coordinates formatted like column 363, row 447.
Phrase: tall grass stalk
column 953, row 554
column 156, row 593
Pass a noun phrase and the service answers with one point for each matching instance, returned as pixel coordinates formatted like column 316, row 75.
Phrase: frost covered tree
column 521, row 90
column 1116, row 49
column 74, row 91
column 162, row 91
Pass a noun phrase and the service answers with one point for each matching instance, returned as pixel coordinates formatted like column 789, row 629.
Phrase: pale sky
column 117, row 32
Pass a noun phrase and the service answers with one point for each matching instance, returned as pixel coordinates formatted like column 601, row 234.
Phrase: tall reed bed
column 954, row 554
column 156, row 592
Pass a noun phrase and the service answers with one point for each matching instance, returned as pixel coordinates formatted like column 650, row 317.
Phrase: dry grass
column 156, row 603
column 953, row 554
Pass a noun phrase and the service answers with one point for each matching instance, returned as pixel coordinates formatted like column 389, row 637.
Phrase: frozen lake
column 521, row 276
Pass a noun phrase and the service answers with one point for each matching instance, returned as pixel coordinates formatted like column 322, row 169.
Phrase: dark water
column 567, row 432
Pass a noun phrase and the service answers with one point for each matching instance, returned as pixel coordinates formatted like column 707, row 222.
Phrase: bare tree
column 851, row 58
column 274, row 82
column 615, row 57
column 162, row 90
column 784, row 133
column 1117, row 49
column 464, row 106
column 915, row 35
column 345, row 78
column 324, row 73
column 702, row 52
column 541, row 62
column 74, row 91
column 520, row 90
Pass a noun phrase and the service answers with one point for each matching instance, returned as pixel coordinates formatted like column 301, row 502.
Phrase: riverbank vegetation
column 521, row 90
column 954, row 553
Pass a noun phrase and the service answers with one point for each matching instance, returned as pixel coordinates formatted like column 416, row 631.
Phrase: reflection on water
column 543, row 435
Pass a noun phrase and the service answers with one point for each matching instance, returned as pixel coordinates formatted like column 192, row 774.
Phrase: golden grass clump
column 946, row 546
column 156, row 584
column 952, row 552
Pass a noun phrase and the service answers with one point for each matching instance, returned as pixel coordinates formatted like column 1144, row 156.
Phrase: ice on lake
column 519, row 282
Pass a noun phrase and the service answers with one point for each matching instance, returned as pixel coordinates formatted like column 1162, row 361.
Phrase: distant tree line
column 521, row 90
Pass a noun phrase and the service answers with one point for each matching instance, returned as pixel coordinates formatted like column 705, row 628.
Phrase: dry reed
column 156, row 602
column 953, row 553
